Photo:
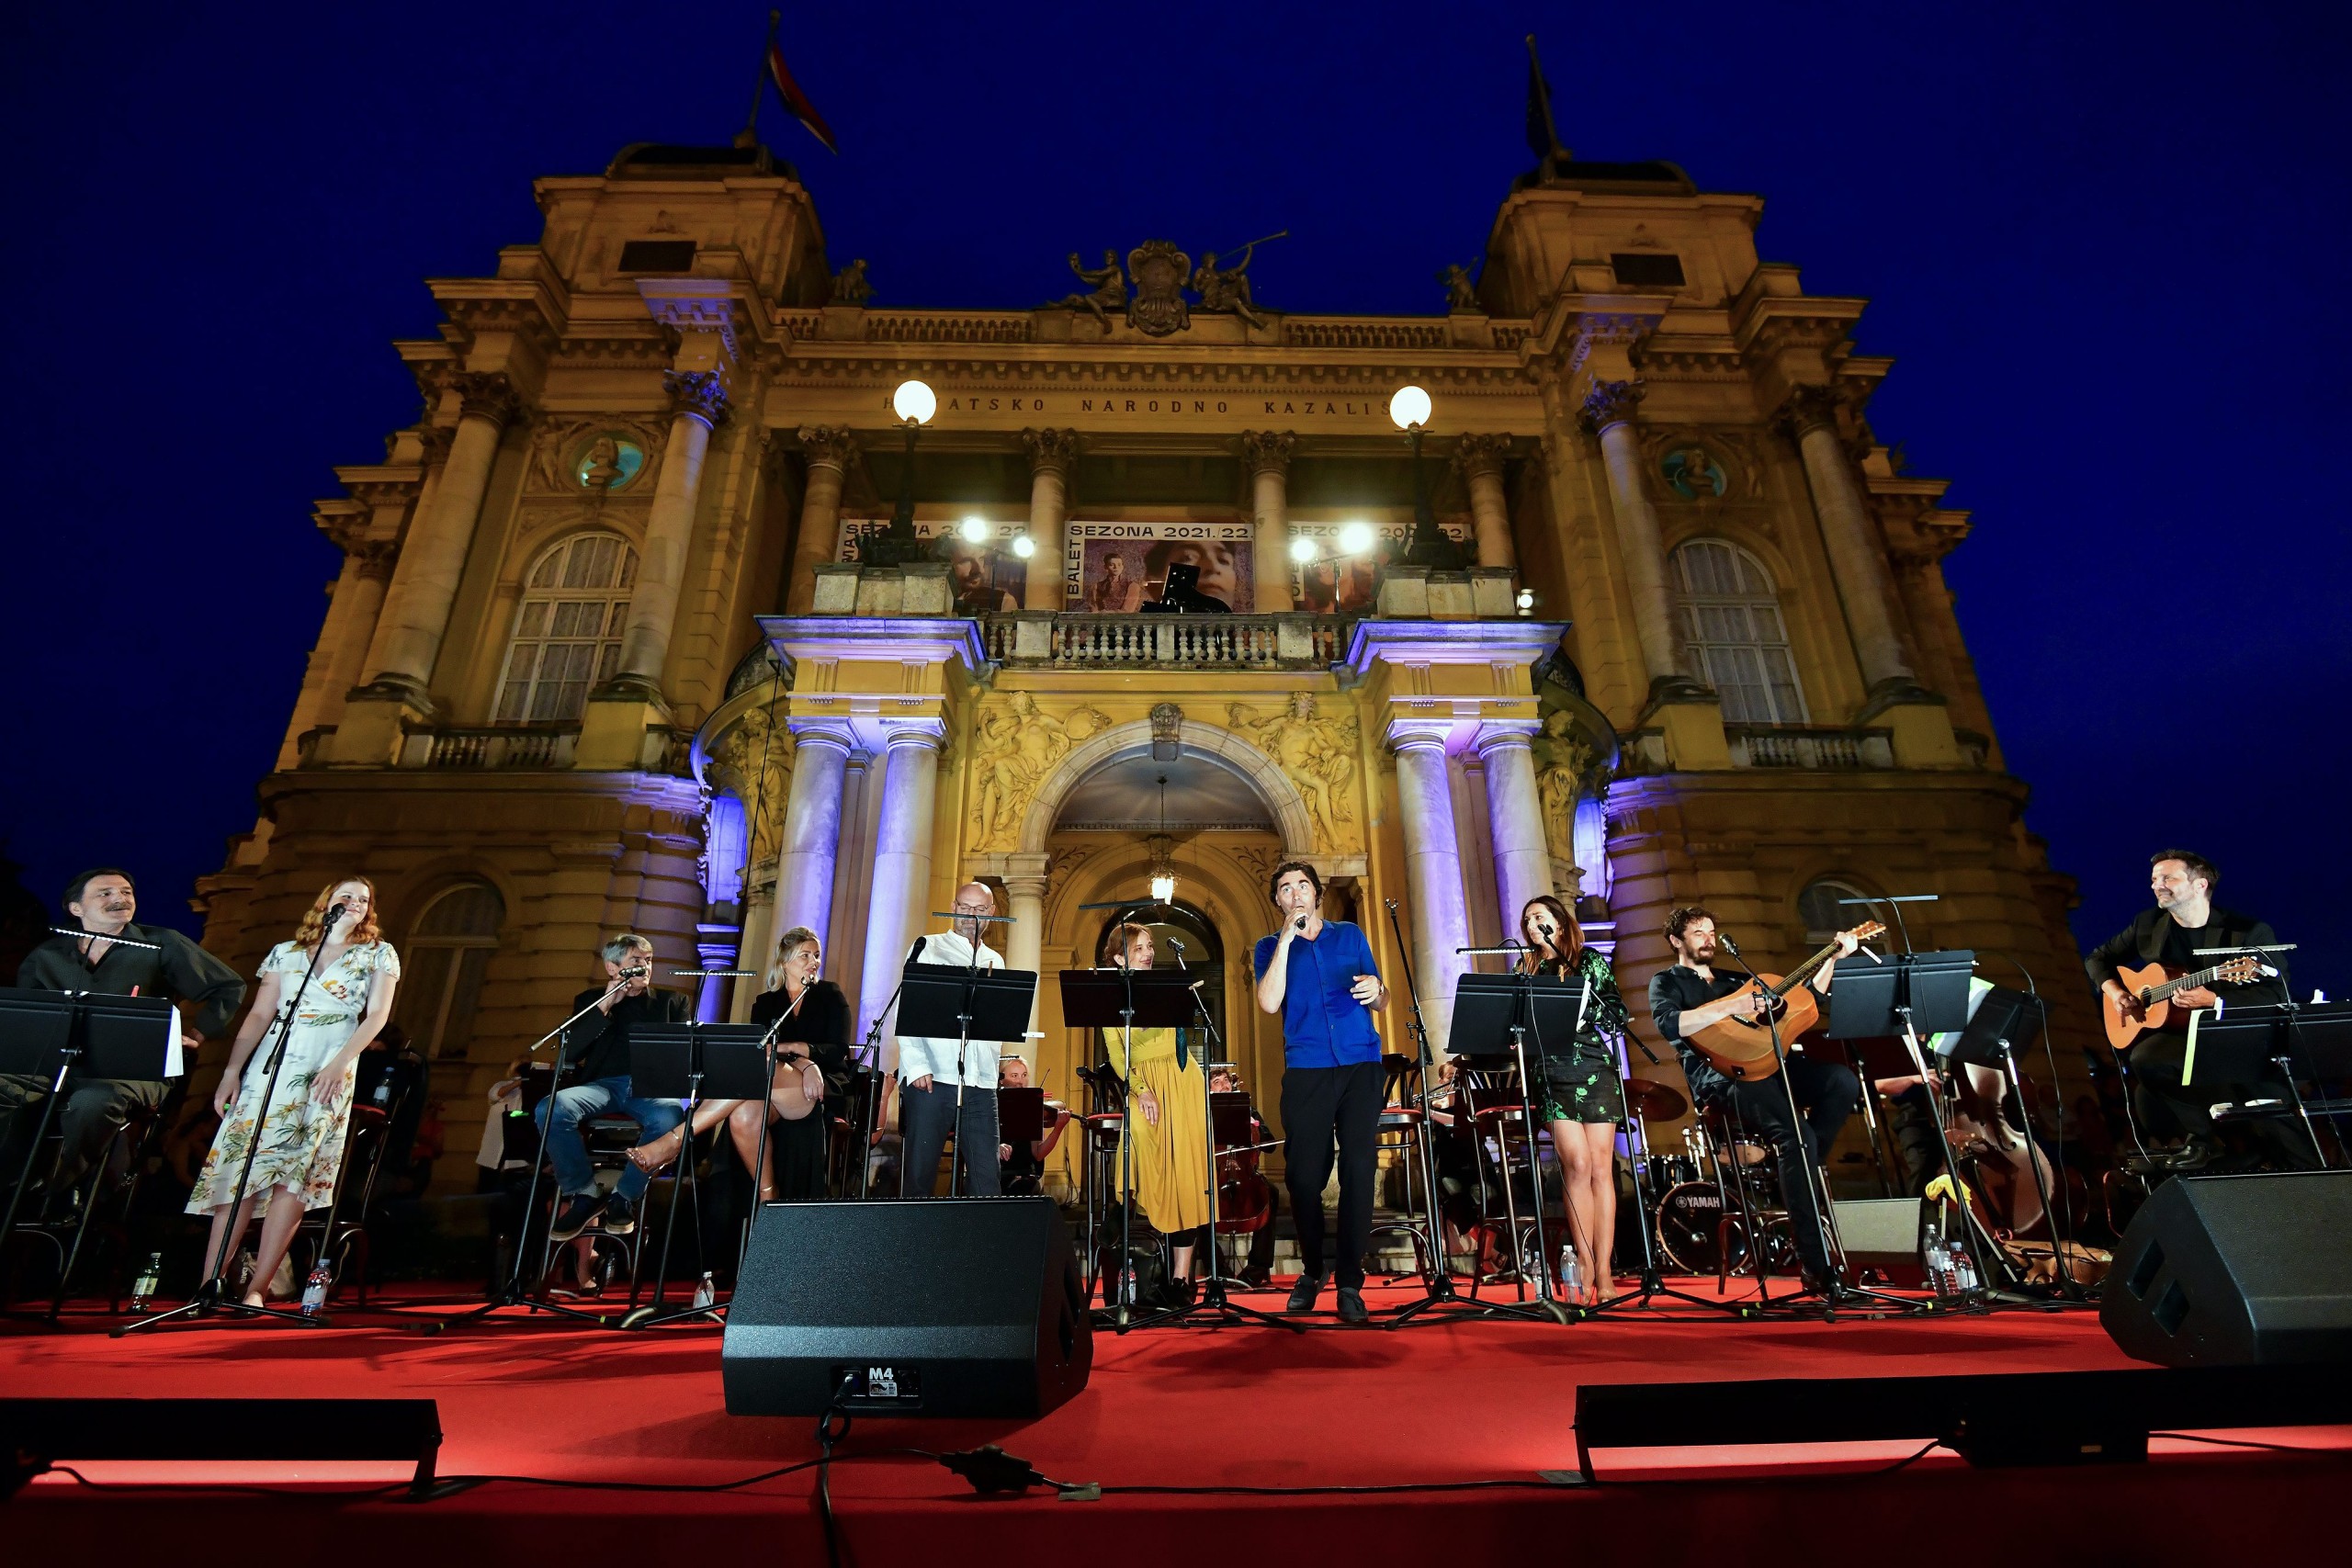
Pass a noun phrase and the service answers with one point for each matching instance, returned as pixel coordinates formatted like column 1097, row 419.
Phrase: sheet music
column 173, row 1067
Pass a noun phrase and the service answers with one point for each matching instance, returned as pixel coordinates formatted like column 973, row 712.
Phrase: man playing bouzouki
column 1688, row 995
column 2166, row 941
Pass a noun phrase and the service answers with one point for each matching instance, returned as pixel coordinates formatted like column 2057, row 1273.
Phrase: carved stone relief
column 1014, row 745
column 1318, row 754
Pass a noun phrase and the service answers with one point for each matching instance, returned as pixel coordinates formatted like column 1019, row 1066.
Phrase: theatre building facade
column 624, row 638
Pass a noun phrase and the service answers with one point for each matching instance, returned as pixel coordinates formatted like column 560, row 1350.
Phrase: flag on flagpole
column 796, row 100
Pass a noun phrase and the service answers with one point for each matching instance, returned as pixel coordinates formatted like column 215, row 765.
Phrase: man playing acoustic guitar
column 2169, row 938
column 1686, row 997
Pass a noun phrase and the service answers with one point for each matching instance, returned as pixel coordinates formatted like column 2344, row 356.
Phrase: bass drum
column 1692, row 1234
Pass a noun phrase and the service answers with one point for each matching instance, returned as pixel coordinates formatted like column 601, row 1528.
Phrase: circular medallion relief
column 610, row 462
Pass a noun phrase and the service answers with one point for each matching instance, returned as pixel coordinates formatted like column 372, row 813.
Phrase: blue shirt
column 1323, row 1026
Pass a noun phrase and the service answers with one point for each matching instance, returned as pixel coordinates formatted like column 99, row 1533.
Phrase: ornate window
column 441, row 964
column 567, row 629
column 1731, row 617
column 1825, row 917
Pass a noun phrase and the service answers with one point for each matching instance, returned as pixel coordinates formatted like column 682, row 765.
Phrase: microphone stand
column 1832, row 1290
column 512, row 1294
column 1437, row 1273
column 208, row 1297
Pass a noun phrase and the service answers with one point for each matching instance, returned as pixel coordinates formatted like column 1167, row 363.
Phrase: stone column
column 1432, row 871
column 757, row 944
column 433, row 557
column 1515, row 819
column 367, row 572
column 813, row 831
column 1051, row 451
column 1607, row 412
column 901, row 864
column 1266, row 453
column 1025, row 940
column 1856, row 559
column 1480, row 459
column 818, row 540
column 698, row 404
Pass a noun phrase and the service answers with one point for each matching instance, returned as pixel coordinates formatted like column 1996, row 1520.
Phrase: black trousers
column 94, row 1111
column 1826, row 1093
column 925, row 1117
column 2171, row 1108
column 1324, row 1108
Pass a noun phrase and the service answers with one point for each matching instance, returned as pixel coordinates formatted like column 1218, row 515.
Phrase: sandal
column 643, row 1156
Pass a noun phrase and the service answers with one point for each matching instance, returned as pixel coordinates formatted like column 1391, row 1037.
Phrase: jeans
column 560, row 1115
column 925, row 1115
column 1826, row 1093
column 1323, row 1106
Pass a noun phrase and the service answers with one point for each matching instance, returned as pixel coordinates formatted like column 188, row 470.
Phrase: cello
column 1244, row 1197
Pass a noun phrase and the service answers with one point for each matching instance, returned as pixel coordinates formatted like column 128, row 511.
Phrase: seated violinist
column 1022, row 1170
column 1257, row 1271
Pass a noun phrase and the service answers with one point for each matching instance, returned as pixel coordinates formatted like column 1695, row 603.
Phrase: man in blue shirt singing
column 1320, row 975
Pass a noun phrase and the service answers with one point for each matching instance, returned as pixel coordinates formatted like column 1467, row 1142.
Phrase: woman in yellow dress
column 1167, row 1113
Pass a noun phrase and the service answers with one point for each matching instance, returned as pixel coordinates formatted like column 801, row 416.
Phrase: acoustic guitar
column 2153, row 988
column 1741, row 1046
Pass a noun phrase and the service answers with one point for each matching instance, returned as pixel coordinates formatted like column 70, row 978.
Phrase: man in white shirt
column 930, row 1072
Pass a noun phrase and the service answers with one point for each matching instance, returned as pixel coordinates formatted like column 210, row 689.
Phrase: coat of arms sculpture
column 1160, row 272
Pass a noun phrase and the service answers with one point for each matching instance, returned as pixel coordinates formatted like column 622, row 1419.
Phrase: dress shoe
column 619, row 1217
column 1303, row 1294
column 1352, row 1307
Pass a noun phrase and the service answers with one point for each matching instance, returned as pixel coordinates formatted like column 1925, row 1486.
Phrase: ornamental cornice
column 375, row 559
column 343, row 521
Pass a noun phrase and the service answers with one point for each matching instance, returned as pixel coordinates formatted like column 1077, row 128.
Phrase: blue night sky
column 2102, row 243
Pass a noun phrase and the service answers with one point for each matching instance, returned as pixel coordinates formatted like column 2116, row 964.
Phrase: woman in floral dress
column 349, row 998
column 1581, row 1097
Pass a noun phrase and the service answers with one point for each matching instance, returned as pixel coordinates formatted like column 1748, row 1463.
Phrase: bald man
column 928, row 1071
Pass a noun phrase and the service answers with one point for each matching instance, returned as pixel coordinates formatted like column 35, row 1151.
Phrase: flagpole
column 1543, row 93
column 750, row 136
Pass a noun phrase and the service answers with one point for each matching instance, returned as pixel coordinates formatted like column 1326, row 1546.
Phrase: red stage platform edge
column 1232, row 1408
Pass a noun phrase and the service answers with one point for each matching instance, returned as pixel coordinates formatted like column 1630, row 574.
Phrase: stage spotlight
column 1526, row 600
column 1357, row 539
column 1302, row 549
column 973, row 529
column 914, row 403
column 1024, row 546
column 1409, row 409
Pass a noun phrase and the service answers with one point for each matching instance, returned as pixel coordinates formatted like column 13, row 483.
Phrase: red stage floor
column 1167, row 1408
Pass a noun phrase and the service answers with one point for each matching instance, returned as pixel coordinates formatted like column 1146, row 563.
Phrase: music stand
column 1487, row 1008
column 1127, row 999
column 2006, row 1020
column 940, row 1000
column 692, row 1062
column 2232, row 1044
column 62, row 1035
column 1908, row 996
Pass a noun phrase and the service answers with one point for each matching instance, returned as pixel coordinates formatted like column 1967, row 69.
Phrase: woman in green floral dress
column 349, row 998
column 1581, row 1097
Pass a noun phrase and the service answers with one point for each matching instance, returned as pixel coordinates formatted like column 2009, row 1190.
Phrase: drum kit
column 1708, row 1194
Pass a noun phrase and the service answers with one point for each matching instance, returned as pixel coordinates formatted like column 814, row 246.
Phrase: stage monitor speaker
column 2236, row 1270
column 938, row 1306
column 1881, row 1238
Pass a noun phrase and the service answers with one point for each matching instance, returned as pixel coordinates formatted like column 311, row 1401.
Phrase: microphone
column 921, row 942
column 631, row 973
column 337, row 912
column 1729, row 946
column 1300, row 924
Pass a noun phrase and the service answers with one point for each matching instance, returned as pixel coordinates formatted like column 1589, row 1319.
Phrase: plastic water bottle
column 382, row 1097
column 150, row 1281
column 1939, row 1262
column 705, row 1292
column 314, row 1292
column 1571, row 1273
column 1963, row 1267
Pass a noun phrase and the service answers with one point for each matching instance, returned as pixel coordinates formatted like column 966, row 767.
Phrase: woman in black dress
column 812, row 1065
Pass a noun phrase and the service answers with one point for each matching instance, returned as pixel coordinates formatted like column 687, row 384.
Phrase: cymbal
column 1654, row 1102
